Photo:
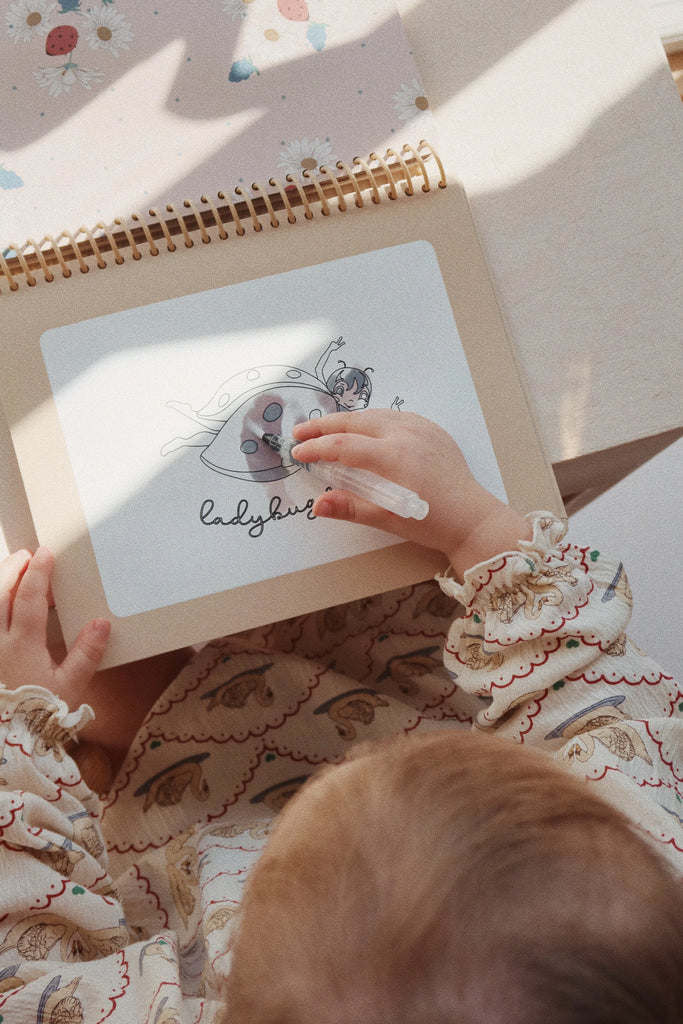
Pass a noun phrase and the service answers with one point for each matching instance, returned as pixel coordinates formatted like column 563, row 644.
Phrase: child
column 456, row 878
column 552, row 895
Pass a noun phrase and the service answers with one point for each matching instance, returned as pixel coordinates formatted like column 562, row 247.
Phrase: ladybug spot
column 249, row 447
column 272, row 412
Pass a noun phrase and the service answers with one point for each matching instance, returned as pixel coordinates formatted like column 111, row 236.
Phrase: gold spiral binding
column 47, row 273
column 60, row 254
column 282, row 191
column 233, row 214
column 30, row 279
column 391, row 187
column 334, row 181
column 408, row 189
column 101, row 263
column 170, row 244
column 246, row 198
column 303, row 196
column 351, row 177
column 153, row 249
column 377, row 178
column 180, row 220
column 130, row 238
column 375, row 196
column 320, row 195
column 189, row 205
column 109, row 235
column 259, row 190
column 222, row 233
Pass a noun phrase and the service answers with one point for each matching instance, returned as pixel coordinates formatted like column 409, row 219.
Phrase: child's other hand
column 465, row 521
column 25, row 597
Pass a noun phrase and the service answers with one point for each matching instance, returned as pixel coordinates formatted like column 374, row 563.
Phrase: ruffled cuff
column 547, row 534
column 39, row 725
column 535, row 614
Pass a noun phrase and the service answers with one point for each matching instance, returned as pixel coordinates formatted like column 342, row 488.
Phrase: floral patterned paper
column 111, row 107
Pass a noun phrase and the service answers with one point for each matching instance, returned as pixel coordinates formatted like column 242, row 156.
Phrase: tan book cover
column 131, row 388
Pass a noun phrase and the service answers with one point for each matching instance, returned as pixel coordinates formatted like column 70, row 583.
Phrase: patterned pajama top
column 120, row 908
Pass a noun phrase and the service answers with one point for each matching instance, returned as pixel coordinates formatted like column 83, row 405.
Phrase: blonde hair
column 456, row 878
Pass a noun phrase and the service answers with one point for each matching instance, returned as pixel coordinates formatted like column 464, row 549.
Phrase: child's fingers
column 349, row 449
column 28, row 618
column 350, row 508
column 371, row 422
column 12, row 569
column 83, row 659
column 381, row 456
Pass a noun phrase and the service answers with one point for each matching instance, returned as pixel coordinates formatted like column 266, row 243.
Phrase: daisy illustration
column 106, row 29
column 26, row 18
column 304, row 155
column 270, row 39
column 60, row 79
column 410, row 101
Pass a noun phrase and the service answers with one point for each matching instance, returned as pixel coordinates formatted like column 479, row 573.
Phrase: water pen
column 362, row 482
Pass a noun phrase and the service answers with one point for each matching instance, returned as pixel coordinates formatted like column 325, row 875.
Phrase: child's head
column 456, row 878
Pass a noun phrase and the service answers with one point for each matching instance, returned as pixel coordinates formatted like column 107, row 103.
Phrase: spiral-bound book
column 137, row 358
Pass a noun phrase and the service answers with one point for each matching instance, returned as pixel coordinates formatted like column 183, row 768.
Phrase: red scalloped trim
column 151, row 892
column 658, row 744
column 150, row 737
column 515, row 676
column 171, row 701
column 15, row 811
column 124, row 975
column 50, row 897
column 578, row 608
column 573, row 677
column 538, row 701
column 116, row 848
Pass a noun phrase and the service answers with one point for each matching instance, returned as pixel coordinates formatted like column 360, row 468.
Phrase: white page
column 177, row 505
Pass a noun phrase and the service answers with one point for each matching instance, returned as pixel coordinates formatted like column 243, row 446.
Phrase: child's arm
column 58, row 903
column 465, row 522
column 120, row 697
column 542, row 641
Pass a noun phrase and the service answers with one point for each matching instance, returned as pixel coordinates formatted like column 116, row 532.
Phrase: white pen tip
column 418, row 509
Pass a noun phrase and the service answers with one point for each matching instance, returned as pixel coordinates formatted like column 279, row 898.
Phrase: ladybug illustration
column 61, row 40
column 265, row 400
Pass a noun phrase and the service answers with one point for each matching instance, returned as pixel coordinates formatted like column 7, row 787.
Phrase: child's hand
column 25, row 597
column 465, row 521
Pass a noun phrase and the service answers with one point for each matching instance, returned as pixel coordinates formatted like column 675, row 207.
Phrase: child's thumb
column 83, row 659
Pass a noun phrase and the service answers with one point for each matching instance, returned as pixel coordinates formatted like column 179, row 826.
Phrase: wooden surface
column 675, row 59
column 564, row 123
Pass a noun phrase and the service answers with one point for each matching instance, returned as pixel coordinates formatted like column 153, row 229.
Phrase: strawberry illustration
column 61, row 40
column 293, row 10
